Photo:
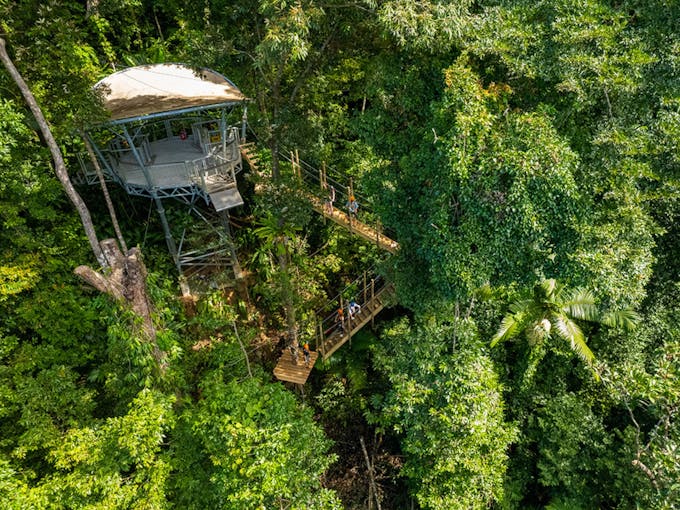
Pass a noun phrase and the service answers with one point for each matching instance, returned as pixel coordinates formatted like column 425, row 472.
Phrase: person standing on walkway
column 340, row 319
column 352, row 206
column 307, row 354
column 330, row 199
column 353, row 308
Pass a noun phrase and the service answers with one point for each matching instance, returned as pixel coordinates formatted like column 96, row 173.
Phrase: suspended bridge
column 330, row 329
column 317, row 187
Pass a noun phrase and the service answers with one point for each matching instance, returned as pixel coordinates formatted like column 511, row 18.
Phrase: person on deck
column 330, row 199
column 340, row 319
column 293, row 353
column 307, row 354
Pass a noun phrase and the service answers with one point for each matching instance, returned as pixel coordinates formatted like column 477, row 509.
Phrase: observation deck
column 199, row 162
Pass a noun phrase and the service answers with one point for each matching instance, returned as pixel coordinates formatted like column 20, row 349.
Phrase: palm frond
column 521, row 307
column 568, row 330
column 509, row 328
column 625, row 319
column 544, row 291
column 580, row 304
column 550, row 286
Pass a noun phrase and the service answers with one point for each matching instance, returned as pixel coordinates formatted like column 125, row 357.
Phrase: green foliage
column 573, row 451
column 504, row 142
column 448, row 410
column 248, row 445
column 116, row 463
column 431, row 25
column 505, row 206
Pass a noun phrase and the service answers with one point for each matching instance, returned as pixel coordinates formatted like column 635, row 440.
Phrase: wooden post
column 372, row 303
column 349, row 327
column 365, row 289
column 297, row 166
column 350, row 193
column 377, row 234
column 321, row 346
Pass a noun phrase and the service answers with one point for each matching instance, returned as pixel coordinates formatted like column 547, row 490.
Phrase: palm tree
column 276, row 235
column 552, row 312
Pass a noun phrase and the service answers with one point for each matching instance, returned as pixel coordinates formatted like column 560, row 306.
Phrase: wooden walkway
column 354, row 226
column 288, row 371
column 335, row 338
column 248, row 154
column 329, row 336
column 337, row 215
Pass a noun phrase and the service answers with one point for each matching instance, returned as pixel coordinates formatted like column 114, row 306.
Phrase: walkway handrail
column 313, row 176
column 324, row 319
column 319, row 184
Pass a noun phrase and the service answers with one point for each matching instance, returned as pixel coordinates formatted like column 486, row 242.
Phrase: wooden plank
column 286, row 370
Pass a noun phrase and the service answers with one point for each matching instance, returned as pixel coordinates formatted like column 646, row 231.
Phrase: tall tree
column 447, row 409
column 57, row 158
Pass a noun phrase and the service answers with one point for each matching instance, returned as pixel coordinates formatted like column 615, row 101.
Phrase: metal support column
column 224, row 220
column 244, row 123
column 159, row 204
column 223, row 132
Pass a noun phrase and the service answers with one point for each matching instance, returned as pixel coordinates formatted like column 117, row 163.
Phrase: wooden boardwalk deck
column 354, row 226
column 288, row 371
column 337, row 338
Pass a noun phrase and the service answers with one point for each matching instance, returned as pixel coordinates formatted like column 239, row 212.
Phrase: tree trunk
column 289, row 305
column 105, row 190
column 126, row 282
column 57, row 158
column 372, row 487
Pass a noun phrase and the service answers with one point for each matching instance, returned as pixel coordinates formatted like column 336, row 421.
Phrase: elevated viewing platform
column 171, row 163
column 173, row 131
column 201, row 164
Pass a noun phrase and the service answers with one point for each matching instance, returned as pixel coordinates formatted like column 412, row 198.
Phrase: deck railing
column 326, row 332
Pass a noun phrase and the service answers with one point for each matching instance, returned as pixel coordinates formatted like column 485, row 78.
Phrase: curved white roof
column 158, row 88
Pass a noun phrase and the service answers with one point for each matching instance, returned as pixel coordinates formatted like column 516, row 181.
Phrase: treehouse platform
column 198, row 165
column 173, row 132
